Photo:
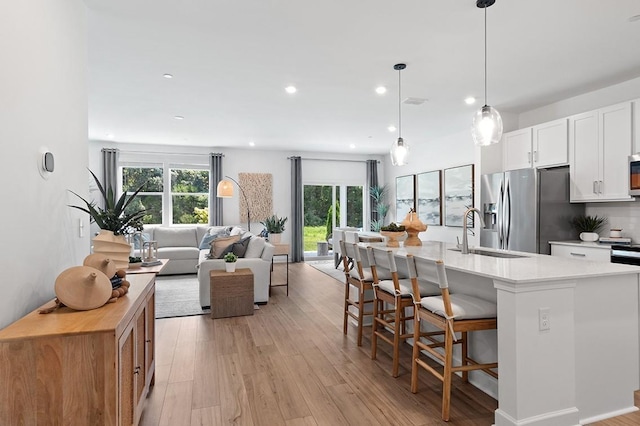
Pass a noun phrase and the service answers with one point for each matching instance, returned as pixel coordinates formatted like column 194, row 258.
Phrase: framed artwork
column 458, row 194
column 405, row 196
column 429, row 193
column 258, row 188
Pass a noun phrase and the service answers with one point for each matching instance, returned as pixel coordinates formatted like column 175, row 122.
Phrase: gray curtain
column 110, row 169
column 215, row 176
column 372, row 180
column 297, row 222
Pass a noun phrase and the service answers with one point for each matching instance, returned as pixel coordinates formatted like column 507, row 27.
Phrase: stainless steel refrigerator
column 525, row 209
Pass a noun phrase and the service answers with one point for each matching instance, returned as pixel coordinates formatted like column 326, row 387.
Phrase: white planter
column 230, row 266
column 589, row 236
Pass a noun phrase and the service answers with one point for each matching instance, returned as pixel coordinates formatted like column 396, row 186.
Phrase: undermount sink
column 491, row 253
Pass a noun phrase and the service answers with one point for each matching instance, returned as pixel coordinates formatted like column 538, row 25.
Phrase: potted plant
column 230, row 260
column 115, row 219
column 274, row 226
column 135, row 262
column 588, row 226
column 392, row 232
column 378, row 194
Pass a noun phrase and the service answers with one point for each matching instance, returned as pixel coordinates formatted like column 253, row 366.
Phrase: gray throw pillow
column 238, row 248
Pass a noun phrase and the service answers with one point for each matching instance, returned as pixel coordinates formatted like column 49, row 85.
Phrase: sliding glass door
column 327, row 207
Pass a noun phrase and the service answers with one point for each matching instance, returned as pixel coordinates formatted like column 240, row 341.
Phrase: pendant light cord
column 399, row 105
column 485, row 56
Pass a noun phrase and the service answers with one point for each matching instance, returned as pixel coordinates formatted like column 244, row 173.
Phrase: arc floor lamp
column 225, row 190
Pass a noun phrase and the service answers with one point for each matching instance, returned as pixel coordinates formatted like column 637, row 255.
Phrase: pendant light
column 487, row 123
column 399, row 150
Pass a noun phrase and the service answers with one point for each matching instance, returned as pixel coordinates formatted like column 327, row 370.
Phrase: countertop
column 578, row 243
column 528, row 269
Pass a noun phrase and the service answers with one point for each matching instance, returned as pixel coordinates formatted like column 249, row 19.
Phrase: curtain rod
column 333, row 159
column 164, row 153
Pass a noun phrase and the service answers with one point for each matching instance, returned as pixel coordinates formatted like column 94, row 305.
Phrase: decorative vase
column 230, row 266
column 115, row 247
column 589, row 236
column 413, row 225
column 274, row 238
column 392, row 237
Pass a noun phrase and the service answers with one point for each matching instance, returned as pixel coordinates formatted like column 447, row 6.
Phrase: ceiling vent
column 414, row 101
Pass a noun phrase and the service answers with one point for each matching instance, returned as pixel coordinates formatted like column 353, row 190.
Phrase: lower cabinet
column 80, row 367
column 598, row 254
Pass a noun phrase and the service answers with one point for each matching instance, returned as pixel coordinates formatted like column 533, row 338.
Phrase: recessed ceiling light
column 167, row 75
column 634, row 18
column 178, row 117
column 392, row 128
column 470, row 100
column 381, row 90
column 352, row 146
column 252, row 143
column 291, row 89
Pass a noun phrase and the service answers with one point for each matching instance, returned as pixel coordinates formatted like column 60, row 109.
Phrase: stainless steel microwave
column 634, row 175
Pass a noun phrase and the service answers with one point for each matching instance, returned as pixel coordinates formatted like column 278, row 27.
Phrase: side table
column 231, row 293
column 280, row 250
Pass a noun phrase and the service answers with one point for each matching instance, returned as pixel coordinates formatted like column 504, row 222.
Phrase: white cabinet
column 550, row 144
column 543, row 145
column 599, row 144
column 517, row 149
column 577, row 251
column 636, row 126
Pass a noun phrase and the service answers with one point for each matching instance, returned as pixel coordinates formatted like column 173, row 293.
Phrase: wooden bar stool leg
column 374, row 328
column 415, row 354
column 360, row 313
column 346, row 306
column 465, row 355
column 446, row 382
column 396, row 337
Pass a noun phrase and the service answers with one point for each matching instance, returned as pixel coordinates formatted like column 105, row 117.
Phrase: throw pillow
column 218, row 245
column 238, row 248
column 236, row 230
column 213, row 234
column 256, row 247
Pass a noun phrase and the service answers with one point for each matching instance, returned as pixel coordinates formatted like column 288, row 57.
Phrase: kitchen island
column 585, row 366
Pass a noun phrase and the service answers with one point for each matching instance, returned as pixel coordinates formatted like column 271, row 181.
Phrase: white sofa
column 257, row 258
column 179, row 244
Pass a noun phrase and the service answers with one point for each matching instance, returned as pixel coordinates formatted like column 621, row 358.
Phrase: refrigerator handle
column 500, row 216
column 507, row 232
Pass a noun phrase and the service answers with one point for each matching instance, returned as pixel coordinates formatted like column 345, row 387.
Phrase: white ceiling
column 231, row 60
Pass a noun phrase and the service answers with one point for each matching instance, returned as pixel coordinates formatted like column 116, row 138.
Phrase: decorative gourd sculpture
column 413, row 225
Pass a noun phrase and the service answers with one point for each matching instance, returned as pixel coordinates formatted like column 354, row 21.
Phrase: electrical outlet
column 544, row 319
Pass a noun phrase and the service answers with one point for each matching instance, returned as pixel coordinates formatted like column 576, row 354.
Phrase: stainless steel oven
column 634, row 175
column 626, row 254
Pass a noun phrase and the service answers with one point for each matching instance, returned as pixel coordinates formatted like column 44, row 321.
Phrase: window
column 177, row 195
column 150, row 197
column 190, row 196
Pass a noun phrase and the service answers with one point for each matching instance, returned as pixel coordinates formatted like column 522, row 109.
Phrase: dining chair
column 449, row 314
column 358, row 278
column 393, row 303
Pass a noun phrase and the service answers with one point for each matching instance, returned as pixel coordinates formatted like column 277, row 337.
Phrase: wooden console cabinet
column 80, row 367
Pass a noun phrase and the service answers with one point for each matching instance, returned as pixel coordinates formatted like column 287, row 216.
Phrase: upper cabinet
column 599, row 143
column 544, row 145
column 636, row 126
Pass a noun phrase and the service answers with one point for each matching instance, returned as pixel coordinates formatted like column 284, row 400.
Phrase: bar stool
column 450, row 314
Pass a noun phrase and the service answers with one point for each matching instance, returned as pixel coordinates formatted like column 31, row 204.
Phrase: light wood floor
column 289, row 364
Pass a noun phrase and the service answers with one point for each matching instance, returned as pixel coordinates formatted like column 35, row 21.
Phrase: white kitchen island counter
column 585, row 367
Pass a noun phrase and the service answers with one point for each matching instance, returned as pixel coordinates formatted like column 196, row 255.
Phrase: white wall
column 439, row 154
column 44, row 105
column 251, row 161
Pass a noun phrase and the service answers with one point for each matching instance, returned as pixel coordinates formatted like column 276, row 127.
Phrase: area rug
column 178, row 296
column 327, row 267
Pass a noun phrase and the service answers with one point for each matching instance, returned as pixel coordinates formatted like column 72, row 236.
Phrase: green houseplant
column 379, row 193
column 230, row 260
column 588, row 226
column 274, row 226
column 115, row 219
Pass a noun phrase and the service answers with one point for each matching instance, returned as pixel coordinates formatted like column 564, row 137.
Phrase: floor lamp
column 225, row 190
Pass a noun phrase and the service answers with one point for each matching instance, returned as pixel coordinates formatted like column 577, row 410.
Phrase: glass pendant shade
column 487, row 126
column 399, row 153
